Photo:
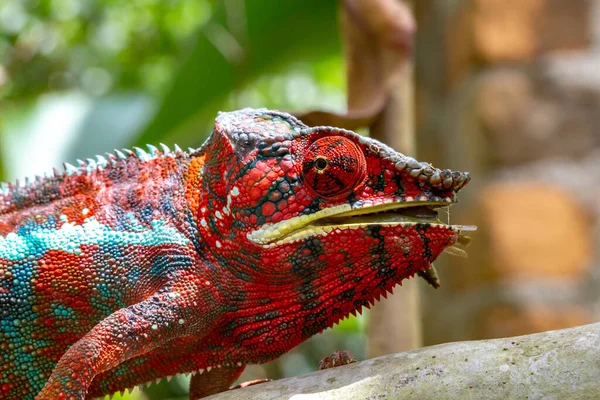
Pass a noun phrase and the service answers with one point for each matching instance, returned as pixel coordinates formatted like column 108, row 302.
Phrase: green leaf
column 235, row 47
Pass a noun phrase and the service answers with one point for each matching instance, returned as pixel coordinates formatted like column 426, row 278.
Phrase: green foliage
column 94, row 45
column 236, row 47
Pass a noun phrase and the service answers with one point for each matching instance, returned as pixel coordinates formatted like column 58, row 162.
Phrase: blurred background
column 506, row 89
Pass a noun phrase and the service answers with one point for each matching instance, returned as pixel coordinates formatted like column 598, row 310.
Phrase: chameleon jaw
column 343, row 217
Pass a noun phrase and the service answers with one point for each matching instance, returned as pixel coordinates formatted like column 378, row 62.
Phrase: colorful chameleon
column 142, row 265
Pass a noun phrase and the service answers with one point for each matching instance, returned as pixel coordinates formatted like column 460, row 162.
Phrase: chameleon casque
column 142, row 265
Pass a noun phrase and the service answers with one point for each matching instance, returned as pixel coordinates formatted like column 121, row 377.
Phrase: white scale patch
column 70, row 237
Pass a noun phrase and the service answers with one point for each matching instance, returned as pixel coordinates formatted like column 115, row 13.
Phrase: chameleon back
column 70, row 252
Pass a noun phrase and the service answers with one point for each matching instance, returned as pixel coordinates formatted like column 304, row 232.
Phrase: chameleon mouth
column 344, row 217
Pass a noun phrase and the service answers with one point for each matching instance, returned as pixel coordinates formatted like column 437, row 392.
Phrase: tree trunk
column 395, row 323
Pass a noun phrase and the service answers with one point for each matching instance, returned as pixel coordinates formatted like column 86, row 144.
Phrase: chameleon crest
column 141, row 265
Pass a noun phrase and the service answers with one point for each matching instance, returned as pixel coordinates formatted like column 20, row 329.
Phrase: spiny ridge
column 21, row 194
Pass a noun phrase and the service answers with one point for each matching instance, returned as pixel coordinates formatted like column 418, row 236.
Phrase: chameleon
column 143, row 264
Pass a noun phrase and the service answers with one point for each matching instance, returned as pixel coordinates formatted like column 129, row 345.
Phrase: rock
column 518, row 30
column 503, row 320
column 531, row 115
column 536, row 230
column 505, row 30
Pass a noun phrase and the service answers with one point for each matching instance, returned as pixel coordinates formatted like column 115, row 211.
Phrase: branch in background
column 378, row 37
column 550, row 365
column 235, row 47
column 395, row 324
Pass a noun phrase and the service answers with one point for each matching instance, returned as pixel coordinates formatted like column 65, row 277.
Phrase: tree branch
column 548, row 365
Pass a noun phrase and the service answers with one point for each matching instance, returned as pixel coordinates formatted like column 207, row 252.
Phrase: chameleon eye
column 333, row 166
column 321, row 163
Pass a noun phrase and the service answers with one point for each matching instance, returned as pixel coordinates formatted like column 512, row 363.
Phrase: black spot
column 315, row 316
column 399, row 183
column 307, row 264
column 316, row 326
column 336, row 143
column 266, row 316
column 309, row 305
column 314, row 206
column 385, row 273
column 229, row 328
column 320, row 164
column 359, row 303
column 422, row 229
column 348, row 164
column 346, row 295
column 237, row 295
column 307, row 166
column 305, row 289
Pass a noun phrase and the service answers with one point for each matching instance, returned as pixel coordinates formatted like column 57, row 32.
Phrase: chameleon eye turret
column 333, row 166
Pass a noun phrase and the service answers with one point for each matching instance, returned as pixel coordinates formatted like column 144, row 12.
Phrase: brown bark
column 378, row 39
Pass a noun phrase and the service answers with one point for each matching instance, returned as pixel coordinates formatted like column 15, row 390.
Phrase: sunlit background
column 509, row 90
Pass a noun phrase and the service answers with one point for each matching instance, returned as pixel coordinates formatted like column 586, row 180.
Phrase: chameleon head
column 322, row 220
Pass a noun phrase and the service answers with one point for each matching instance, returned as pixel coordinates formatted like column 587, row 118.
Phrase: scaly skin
column 147, row 265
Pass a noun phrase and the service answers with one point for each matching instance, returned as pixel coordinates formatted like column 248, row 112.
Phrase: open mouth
column 382, row 215
column 344, row 217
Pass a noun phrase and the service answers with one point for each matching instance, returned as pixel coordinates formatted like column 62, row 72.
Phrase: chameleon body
column 142, row 265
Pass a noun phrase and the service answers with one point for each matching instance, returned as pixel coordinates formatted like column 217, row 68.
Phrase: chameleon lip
column 344, row 217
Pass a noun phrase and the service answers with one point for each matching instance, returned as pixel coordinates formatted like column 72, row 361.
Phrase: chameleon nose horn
column 437, row 178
